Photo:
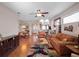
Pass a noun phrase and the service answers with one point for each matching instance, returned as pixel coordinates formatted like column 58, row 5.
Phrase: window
column 43, row 28
column 44, row 24
column 57, row 22
column 72, row 18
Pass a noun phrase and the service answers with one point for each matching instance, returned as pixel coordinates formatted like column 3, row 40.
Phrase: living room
column 39, row 29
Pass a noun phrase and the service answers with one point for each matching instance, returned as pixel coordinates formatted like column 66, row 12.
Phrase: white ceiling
column 25, row 8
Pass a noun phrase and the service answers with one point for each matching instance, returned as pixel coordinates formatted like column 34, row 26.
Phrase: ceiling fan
column 39, row 13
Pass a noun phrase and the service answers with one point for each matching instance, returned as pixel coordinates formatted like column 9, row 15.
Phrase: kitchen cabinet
column 8, row 43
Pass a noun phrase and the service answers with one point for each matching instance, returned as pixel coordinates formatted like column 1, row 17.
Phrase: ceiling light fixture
column 39, row 14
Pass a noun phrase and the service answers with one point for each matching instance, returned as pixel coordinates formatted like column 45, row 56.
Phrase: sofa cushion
column 62, row 37
column 68, row 37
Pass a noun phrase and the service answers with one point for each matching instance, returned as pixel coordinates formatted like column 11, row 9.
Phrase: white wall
column 8, row 22
column 73, row 9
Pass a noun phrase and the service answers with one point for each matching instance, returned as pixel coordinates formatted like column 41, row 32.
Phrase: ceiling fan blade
column 36, row 16
column 43, row 15
column 44, row 12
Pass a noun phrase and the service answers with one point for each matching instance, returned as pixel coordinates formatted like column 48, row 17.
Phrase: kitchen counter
column 8, row 37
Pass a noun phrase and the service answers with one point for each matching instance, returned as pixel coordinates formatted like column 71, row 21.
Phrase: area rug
column 37, row 51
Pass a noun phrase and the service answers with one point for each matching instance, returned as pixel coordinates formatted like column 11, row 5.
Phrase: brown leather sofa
column 58, row 43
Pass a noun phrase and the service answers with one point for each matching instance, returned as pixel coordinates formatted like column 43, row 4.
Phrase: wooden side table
column 73, row 49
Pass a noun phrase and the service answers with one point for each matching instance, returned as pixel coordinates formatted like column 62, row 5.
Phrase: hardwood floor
column 23, row 49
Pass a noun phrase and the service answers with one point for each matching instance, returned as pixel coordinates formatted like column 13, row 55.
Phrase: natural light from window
column 72, row 18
